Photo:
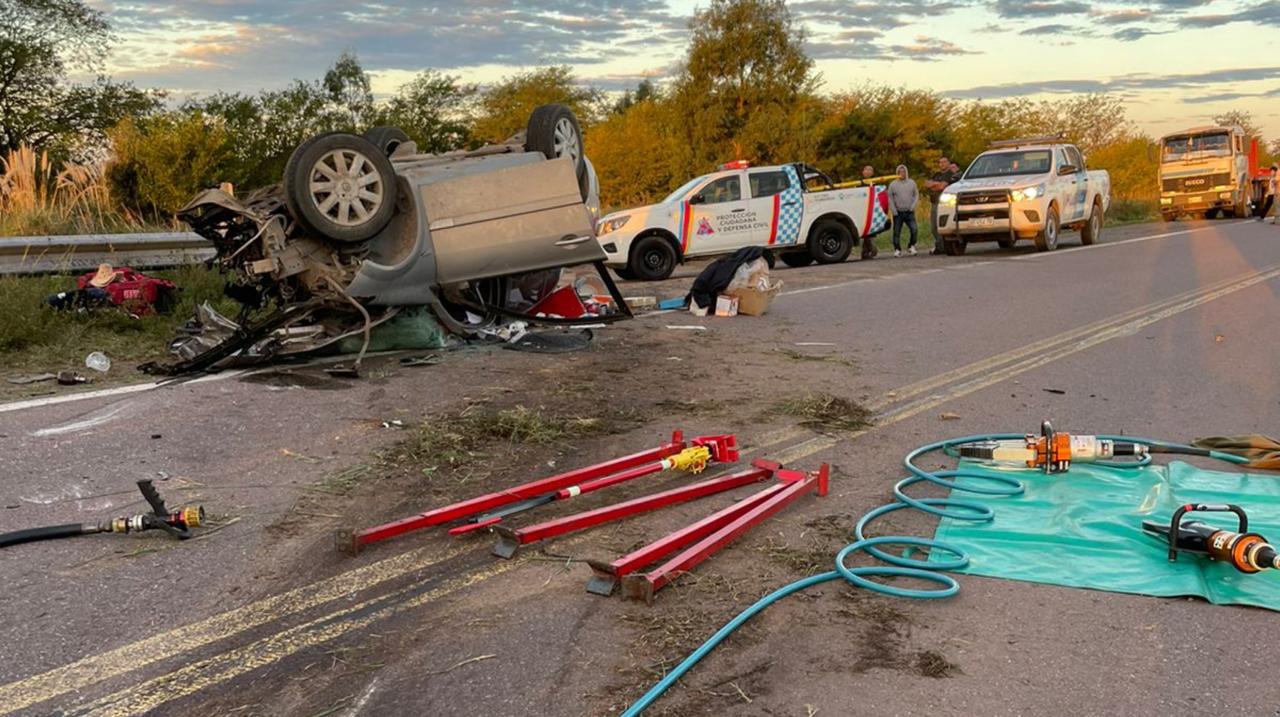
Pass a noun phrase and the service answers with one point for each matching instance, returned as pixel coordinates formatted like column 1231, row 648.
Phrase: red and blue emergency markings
column 877, row 211
column 788, row 210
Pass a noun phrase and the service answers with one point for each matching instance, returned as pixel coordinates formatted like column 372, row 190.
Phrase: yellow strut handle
column 693, row 460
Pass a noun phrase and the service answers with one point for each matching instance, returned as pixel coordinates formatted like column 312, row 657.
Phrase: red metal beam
column 607, row 575
column 490, row 501
column 644, row 586
column 510, row 540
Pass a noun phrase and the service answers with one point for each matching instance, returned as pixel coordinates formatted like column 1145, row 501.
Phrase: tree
column 629, row 177
column 884, row 127
column 160, row 162
column 745, row 60
column 504, row 108
column 433, row 109
column 1240, row 117
column 41, row 42
column 349, row 89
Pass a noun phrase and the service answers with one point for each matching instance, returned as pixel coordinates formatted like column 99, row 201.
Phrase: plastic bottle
column 98, row 361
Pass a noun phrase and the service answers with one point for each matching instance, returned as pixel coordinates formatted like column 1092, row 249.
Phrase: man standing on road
column 903, row 197
column 869, row 250
column 1273, row 183
column 935, row 185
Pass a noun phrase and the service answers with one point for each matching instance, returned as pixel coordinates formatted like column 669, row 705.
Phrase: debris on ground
column 71, row 378
column 827, row 412
column 948, row 416
column 1057, row 391
column 31, row 378
column 552, row 342
column 686, row 327
column 176, row 523
column 428, row 360
column 98, row 361
column 123, row 288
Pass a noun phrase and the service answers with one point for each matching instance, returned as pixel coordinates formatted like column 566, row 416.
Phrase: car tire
column 1092, row 229
column 954, row 247
column 624, row 274
column 1006, row 243
column 1047, row 239
column 830, row 242
column 652, row 259
column 387, row 139
column 796, row 259
column 340, row 186
column 554, row 131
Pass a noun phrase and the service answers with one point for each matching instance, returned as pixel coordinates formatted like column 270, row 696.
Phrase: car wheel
column 554, row 131
column 797, row 259
column 387, row 139
column 1092, row 229
column 1005, row 243
column 624, row 274
column 340, row 186
column 830, row 242
column 652, row 259
column 1047, row 239
column 955, row 247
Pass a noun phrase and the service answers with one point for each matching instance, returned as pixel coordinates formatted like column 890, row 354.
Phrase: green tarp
column 1083, row 529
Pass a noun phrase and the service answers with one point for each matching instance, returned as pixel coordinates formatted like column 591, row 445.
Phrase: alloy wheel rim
column 566, row 140
column 346, row 187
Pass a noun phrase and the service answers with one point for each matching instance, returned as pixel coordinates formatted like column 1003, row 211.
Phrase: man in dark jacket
column 936, row 184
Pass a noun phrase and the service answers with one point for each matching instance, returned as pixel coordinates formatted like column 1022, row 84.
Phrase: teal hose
column 902, row 565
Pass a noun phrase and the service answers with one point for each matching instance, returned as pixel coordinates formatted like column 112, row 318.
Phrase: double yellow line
column 892, row 408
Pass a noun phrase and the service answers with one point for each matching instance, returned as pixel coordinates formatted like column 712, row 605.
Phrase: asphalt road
column 1163, row 331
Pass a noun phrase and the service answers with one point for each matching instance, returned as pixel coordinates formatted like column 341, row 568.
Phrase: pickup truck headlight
column 948, row 199
column 1022, row 195
column 613, row 225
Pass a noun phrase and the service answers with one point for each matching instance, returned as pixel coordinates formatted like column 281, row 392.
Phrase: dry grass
column 37, row 197
column 823, row 411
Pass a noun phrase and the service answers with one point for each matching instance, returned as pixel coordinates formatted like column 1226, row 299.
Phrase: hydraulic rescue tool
column 1052, row 451
column 1247, row 552
column 178, row 523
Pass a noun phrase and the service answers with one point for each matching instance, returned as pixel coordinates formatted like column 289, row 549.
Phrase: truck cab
column 1204, row 171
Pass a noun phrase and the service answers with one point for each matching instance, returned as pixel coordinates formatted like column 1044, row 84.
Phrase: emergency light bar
column 736, row 164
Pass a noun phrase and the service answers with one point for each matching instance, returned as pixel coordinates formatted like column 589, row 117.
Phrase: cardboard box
column 754, row 302
column 726, row 305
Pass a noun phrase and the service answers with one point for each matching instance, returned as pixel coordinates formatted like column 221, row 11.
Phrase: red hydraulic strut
column 510, row 540
column 535, row 489
column 644, row 586
column 608, row 575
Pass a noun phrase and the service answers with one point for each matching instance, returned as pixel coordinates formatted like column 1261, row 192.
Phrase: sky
column 1176, row 63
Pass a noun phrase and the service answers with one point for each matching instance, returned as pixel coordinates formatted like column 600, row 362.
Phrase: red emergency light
column 736, row 164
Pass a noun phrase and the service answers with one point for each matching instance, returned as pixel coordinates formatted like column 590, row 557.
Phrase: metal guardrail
column 79, row 253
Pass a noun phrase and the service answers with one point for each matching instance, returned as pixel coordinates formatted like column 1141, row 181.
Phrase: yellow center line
column 90, row 670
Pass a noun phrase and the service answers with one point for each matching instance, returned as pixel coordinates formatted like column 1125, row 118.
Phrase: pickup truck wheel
column 830, row 242
column 554, row 131
column 387, row 139
column 1092, row 229
column 1005, row 243
column 625, row 274
column 652, row 259
column 340, row 186
column 954, row 247
column 797, row 259
column 1047, row 239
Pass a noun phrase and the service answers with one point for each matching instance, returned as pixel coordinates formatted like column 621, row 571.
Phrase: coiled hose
column 903, row 565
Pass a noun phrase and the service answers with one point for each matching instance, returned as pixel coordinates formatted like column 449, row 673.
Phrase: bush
column 159, row 163
column 37, row 198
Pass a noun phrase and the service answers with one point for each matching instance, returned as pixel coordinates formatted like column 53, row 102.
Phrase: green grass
column 1133, row 211
column 34, row 337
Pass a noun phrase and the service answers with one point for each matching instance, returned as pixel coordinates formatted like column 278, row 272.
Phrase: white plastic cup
column 98, row 361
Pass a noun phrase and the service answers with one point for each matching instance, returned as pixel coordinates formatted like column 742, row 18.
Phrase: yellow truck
column 1206, row 172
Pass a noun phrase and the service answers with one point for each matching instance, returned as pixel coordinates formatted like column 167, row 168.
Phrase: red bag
column 135, row 292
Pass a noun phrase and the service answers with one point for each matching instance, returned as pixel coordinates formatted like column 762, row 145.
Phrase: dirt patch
column 825, row 412
column 884, row 639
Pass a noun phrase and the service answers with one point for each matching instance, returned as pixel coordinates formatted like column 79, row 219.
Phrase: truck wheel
column 624, row 274
column 340, row 186
column 797, row 259
column 554, row 131
column 1092, row 229
column 652, row 259
column 1047, row 239
column 830, row 242
column 1005, row 243
column 954, row 247
column 1211, row 214
column 387, row 139
column 1167, row 216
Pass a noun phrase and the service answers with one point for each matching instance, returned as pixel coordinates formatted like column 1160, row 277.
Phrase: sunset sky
column 1177, row 62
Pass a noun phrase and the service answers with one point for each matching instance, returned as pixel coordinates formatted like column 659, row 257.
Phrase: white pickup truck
column 792, row 209
column 1024, row 189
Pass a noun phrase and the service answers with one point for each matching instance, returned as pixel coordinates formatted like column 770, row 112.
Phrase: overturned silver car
column 362, row 227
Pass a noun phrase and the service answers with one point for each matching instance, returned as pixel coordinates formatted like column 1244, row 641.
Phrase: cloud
column 1122, row 16
column 1051, row 29
column 1120, row 84
column 1230, row 96
column 1131, row 34
column 878, row 15
column 1039, row 8
column 1262, row 13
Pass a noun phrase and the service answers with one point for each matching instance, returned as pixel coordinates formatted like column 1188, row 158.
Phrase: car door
column 718, row 218
column 1078, row 186
column 777, row 205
